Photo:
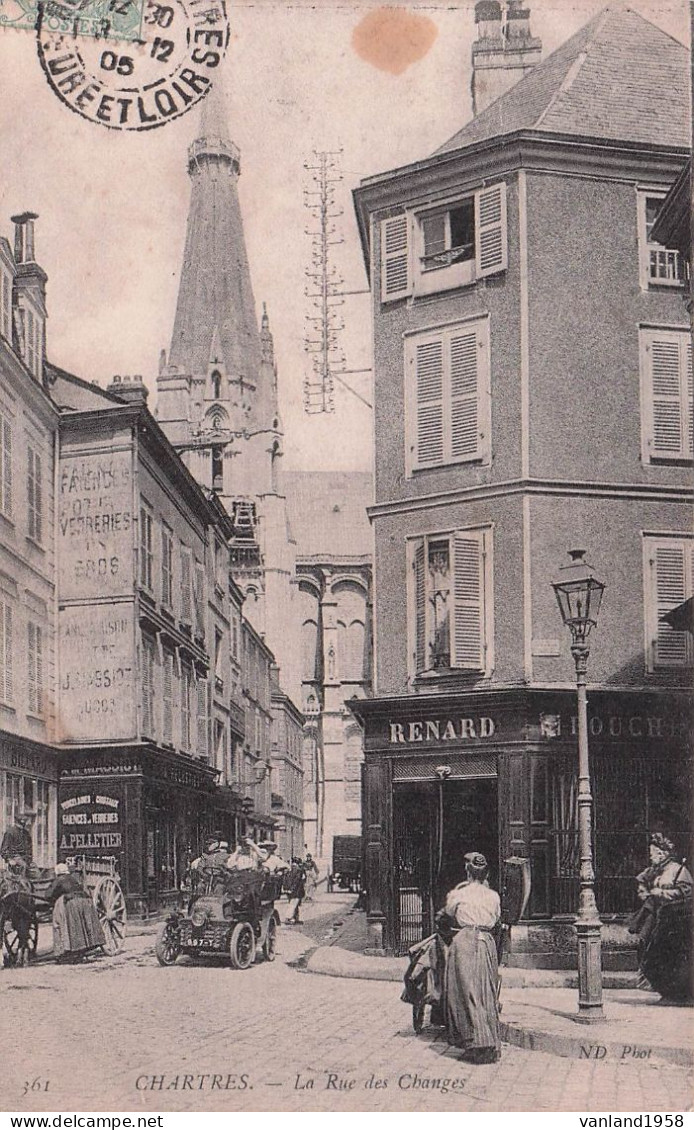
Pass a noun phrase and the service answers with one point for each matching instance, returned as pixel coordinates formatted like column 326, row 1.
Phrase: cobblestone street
column 124, row 1034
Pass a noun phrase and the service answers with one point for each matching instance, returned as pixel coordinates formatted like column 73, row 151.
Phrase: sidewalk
column 538, row 1005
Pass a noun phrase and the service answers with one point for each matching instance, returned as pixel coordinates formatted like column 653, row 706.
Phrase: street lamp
column 579, row 595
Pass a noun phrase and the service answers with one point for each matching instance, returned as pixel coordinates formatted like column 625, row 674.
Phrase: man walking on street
column 296, row 889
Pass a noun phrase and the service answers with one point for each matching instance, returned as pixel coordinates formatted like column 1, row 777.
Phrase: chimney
column 501, row 55
column 29, row 298
column 130, row 389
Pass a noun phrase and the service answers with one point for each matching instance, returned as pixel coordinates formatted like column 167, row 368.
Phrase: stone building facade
column 533, row 392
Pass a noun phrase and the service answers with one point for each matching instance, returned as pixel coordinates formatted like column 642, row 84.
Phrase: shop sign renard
column 90, row 822
column 95, row 525
column 440, row 730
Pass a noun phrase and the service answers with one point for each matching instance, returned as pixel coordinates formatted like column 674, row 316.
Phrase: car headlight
column 199, row 916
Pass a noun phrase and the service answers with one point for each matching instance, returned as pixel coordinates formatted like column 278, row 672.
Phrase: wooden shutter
column 672, row 576
column 186, row 585
column 167, row 697
column 6, row 679
column 199, row 599
column 428, row 394
column 38, row 637
column 395, row 258
column 6, row 469
column 34, row 494
column 420, row 628
column 31, row 667
column 202, row 716
column 668, row 372
column 468, row 633
column 463, row 352
column 490, row 230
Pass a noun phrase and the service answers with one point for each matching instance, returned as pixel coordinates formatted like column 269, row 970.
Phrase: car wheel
column 167, row 946
column 242, row 946
column 270, row 943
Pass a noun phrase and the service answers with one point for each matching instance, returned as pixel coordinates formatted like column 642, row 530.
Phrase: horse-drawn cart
column 24, row 903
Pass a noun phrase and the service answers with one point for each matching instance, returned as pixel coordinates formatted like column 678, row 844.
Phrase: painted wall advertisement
column 95, row 525
column 97, row 672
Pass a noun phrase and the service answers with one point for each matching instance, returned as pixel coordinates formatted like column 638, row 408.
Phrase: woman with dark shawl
column 76, row 927
column 663, row 923
column 471, row 980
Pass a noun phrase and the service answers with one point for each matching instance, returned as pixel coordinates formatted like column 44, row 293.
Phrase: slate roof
column 618, row 78
column 327, row 513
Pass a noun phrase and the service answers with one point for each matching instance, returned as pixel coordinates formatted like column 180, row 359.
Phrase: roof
column 327, row 513
column 618, row 78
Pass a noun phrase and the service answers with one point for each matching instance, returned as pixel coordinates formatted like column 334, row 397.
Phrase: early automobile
column 231, row 914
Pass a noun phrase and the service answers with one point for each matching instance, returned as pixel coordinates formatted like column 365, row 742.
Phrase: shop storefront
column 497, row 773
column 29, row 780
column 144, row 812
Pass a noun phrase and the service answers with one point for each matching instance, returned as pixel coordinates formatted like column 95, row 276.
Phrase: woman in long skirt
column 76, row 927
column 471, row 980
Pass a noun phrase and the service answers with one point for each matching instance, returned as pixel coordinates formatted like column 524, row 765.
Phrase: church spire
column 215, row 298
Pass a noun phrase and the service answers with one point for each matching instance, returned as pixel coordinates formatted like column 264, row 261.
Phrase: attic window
column 449, row 237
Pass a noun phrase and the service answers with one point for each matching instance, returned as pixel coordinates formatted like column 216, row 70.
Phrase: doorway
column 435, row 824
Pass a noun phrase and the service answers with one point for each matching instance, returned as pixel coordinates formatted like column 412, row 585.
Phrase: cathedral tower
column 217, row 390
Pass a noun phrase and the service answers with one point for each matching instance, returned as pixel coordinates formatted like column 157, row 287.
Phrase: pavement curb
column 580, row 1047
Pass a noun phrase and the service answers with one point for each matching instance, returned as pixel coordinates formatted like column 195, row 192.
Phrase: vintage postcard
column 346, row 558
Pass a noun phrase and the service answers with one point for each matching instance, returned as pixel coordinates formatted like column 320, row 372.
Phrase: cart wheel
column 110, row 906
column 418, row 1016
column 167, row 946
column 270, row 943
column 242, row 946
column 19, row 932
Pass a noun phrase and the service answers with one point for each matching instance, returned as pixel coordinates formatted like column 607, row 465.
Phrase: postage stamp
column 159, row 77
column 99, row 19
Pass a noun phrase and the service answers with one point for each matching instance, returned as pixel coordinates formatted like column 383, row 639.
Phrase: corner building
column 533, row 393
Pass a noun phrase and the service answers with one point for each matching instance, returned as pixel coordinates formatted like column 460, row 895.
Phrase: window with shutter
column 199, row 600
column 395, row 258
column 451, row 625
column 166, row 566
column 6, row 304
column 186, row 585
column 448, row 396
column 146, row 550
column 167, row 697
column 147, row 690
column 667, row 409
column 34, row 493
column 669, row 568
column 5, row 466
column 6, row 675
column 202, row 715
column 461, row 242
column 490, row 224
column 35, row 668
column 186, row 683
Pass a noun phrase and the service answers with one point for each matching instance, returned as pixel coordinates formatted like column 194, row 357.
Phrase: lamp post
column 579, row 595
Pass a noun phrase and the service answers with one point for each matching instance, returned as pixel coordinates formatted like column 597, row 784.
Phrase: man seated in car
column 247, row 856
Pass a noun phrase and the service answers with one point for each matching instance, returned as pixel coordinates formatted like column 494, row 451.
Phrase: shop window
column 669, row 582
column 450, row 606
column 34, row 495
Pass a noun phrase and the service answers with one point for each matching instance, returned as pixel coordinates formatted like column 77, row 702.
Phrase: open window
column 659, row 266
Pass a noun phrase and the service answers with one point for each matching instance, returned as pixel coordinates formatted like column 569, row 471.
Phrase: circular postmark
column 160, row 72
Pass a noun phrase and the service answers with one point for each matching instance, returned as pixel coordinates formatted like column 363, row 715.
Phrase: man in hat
column 274, row 862
column 17, row 848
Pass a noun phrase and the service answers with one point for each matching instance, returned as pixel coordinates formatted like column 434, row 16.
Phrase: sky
column 112, row 205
